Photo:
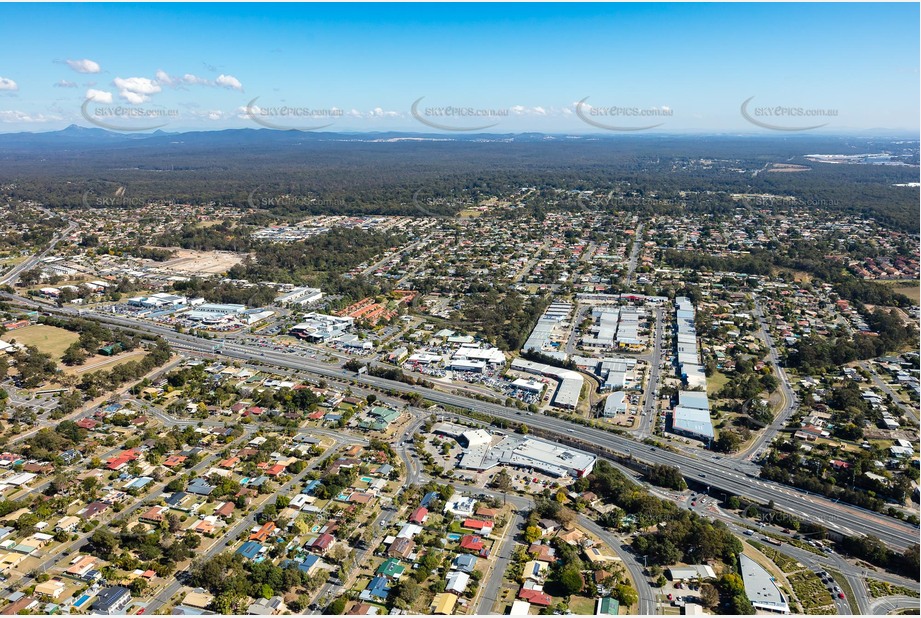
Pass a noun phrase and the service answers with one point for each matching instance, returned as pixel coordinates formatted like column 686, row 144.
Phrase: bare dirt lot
column 189, row 262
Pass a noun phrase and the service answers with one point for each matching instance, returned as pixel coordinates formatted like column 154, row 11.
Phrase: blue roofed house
column 427, row 498
column 176, row 498
column 200, row 487
column 308, row 489
column 308, row 565
column 376, row 590
column 251, row 550
column 465, row 563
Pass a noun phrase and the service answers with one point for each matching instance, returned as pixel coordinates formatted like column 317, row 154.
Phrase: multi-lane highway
column 726, row 475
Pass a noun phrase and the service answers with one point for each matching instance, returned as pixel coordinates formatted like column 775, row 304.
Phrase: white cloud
column 164, row 78
column 136, row 89
column 521, row 110
column 215, row 114
column 10, row 116
column 354, row 113
column 99, row 96
column 379, row 112
column 228, row 81
column 8, row 84
column 65, row 84
column 84, row 66
column 188, row 79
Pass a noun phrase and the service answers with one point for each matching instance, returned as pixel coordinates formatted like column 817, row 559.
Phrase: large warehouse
column 691, row 417
column 760, row 587
column 320, row 327
column 545, row 457
column 570, row 382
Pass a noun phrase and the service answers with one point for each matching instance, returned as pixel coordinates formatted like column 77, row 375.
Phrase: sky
column 449, row 68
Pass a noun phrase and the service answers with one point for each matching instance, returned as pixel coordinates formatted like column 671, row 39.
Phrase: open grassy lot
column 48, row 339
column 583, row 606
column 716, row 382
column 910, row 289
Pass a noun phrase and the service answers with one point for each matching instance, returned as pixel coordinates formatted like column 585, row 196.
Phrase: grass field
column 911, row 290
column 582, row 606
column 716, row 382
column 49, row 339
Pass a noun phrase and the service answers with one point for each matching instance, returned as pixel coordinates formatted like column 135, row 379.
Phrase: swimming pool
column 82, row 600
column 367, row 479
column 453, row 536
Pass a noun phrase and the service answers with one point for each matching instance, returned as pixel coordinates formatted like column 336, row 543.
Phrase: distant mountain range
column 89, row 137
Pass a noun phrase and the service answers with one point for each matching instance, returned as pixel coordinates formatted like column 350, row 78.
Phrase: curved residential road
column 786, row 392
column 647, row 602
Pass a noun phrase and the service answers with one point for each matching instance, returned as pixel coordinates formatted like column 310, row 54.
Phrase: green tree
column 570, row 581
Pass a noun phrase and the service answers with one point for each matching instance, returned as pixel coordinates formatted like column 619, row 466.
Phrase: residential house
column 465, row 563
column 266, row 607
column 111, row 601
column 443, row 604
column 401, row 548
column 457, row 582
column 263, row 533
column 419, row 516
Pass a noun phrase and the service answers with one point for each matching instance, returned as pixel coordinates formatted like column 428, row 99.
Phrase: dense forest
column 362, row 174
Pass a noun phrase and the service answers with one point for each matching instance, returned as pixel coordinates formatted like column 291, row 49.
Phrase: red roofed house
column 229, row 463
column 87, row 423
column 486, row 513
column 114, row 463
column 535, row 597
column 225, row 510
column 419, row 516
column 483, row 527
column 155, row 514
column 264, row 532
column 543, row 552
column 323, row 542
column 274, row 470
column 174, row 460
column 471, row 542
